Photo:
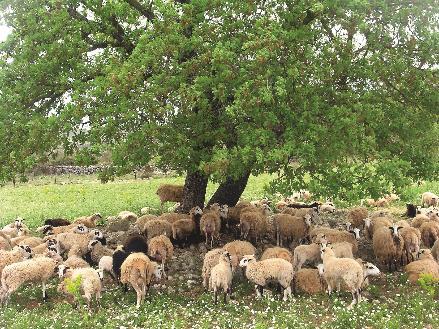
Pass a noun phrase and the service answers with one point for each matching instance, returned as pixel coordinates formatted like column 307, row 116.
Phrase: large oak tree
column 343, row 93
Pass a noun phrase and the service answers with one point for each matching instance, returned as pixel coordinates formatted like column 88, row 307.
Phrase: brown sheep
column 429, row 233
column 169, row 192
column 412, row 241
column 160, row 248
column 419, row 220
column 308, row 280
column 356, row 216
column 89, row 221
column 277, row 252
column 253, row 225
column 291, row 228
column 210, row 225
column 172, row 217
column 373, row 224
column 388, row 246
column 320, row 234
column 425, row 265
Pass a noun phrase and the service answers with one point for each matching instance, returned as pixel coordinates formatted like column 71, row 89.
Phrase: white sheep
column 12, row 229
column 305, row 253
column 210, row 260
column 106, row 265
column 39, row 269
column 90, row 281
column 138, row 270
column 429, row 199
column 269, row 270
column 221, row 276
column 338, row 271
column 17, row 254
column 425, row 265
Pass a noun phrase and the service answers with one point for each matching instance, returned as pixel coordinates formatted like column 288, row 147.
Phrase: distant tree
column 334, row 95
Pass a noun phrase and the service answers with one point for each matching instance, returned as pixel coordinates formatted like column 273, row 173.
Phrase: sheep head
column 247, row 259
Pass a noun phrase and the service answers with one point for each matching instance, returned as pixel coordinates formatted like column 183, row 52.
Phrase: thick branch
column 147, row 12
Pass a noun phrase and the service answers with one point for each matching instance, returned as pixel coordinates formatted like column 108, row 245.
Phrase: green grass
column 393, row 303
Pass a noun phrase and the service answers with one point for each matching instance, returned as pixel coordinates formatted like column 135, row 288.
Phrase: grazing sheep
column 119, row 256
column 388, row 246
column 136, row 243
column 49, row 244
column 157, row 227
column 221, row 276
column 435, row 250
column 277, row 252
column 54, row 222
column 412, row 242
column 292, row 228
column 12, row 229
column 356, row 216
column 425, row 265
column 74, row 258
column 138, row 270
column 210, row 260
column 161, row 250
column 17, row 254
column 90, row 281
column 39, row 269
column 106, row 265
column 346, row 271
column 267, row 271
column 186, row 230
column 309, row 280
column 169, row 192
column 67, row 240
column 96, row 251
column 89, row 221
column 142, row 220
column 429, row 233
column 306, row 253
column 429, row 199
column 334, row 236
column 210, row 225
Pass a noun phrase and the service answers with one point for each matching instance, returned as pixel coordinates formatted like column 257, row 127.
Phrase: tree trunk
column 194, row 191
column 230, row 191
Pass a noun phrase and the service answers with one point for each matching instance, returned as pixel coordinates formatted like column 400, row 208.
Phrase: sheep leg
column 354, row 299
column 258, row 292
column 139, row 292
column 44, row 291
column 287, row 293
column 225, row 296
column 215, row 295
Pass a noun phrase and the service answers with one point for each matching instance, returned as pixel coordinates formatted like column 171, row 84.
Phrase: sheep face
column 81, row 229
column 370, row 270
column 321, row 269
column 100, row 273
column 395, row 230
column 247, row 259
column 62, row 270
column 326, row 251
column 356, row 233
column 25, row 250
column 91, row 245
column 18, row 223
column 158, row 273
column 367, row 222
column 98, row 234
column 224, row 211
column 197, row 211
column 424, row 253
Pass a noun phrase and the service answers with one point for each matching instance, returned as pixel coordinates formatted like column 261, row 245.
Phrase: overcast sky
column 4, row 31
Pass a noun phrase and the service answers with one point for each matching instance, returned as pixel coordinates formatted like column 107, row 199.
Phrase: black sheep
column 411, row 210
column 300, row 205
column 136, row 243
column 54, row 222
column 119, row 256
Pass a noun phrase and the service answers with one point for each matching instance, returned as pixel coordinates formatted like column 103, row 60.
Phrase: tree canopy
column 330, row 94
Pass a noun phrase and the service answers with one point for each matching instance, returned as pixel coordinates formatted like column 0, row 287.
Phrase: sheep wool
column 277, row 252
column 291, row 228
column 89, row 221
column 169, row 192
column 17, row 254
column 388, row 246
column 5, row 242
column 157, row 227
column 90, row 283
column 97, row 251
column 429, row 233
column 309, row 280
column 269, row 270
column 356, row 216
column 412, row 242
column 429, row 199
column 210, row 260
column 221, row 277
column 435, row 251
column 306, row 253
column 210, row 226
column 138, row 270
column 160, row 248
column 425, row 265
column 39, row 269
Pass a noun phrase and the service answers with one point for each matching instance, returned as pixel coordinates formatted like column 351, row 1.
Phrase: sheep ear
column 399, row 227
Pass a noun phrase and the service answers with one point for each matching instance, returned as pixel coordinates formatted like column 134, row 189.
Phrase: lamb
column 96, row 251
column 341, row 249
column 429, row 233
column 106, row 265
column 309, row 280
column 388, row 245
column 435, row 250
column 345, row 271
column 138, row 270
column 277, row 252
column 369, row 269
column 40, row 269
column 412, row 242
column 425, row 265
column 210, row 225
column 289, row 227
column 210, row 260
column 90, row 281
column 157, row 227
column 74, row 259
column 429, row 199
column 305, row 253
column 185, row 230
column 17, row 254
column 221, row 277
column 334, row 236
column 169, row 192
column 161, row 249
column 270, row 270
column 357, row 215
column 89, row 221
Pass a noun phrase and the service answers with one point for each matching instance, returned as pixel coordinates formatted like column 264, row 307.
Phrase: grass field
column 392, row 302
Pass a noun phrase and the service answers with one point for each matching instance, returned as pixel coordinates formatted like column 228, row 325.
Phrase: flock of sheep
column 74, row 249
